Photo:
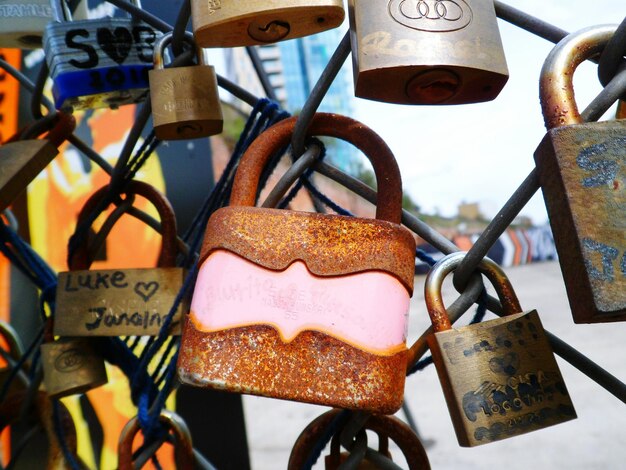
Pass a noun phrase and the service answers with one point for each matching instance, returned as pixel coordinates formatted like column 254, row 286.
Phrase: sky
column 482, row 152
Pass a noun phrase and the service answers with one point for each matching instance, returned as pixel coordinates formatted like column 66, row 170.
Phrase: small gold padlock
column 185, row 100
column 183, row 448
column 71, row 366
column 499, row 377
column 231, row 23
column 426, row 51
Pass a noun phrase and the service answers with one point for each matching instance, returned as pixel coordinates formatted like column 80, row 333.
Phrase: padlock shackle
column 556, row 83
column 167, row 257
column 389, row 205
column 12, row 339
column 434, row 280
column 183, row 449
column 164, row 41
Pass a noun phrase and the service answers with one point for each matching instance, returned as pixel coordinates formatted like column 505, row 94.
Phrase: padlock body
column 285, row 296
column 71, row 366
column 500, row 379
column 583, row 187
column 185, row 102
column 99, row 63
column 426, row 52
column 22, row 22
column 118, row 302
column 231, row 23
column 22, row 161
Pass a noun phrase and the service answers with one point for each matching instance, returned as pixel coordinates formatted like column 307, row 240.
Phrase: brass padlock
column 23, row 160
column 185, row 100
column 183, row 448
column 14, row 351
column 282, row 295
column 121, row 302
column 232, row 23
column 426, row 51
column 71, row 366
column 499, row 377
column 386, row 427
column 580, row 168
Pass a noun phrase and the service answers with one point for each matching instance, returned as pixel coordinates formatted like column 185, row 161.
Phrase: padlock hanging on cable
column 233, row 23
column 499, row 377
column 304, row 306
column 431, row 52
column 581, row 171
column 97, row 63
column 185, row 100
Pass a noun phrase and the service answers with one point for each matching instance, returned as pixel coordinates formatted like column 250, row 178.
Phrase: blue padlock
column 98, row 63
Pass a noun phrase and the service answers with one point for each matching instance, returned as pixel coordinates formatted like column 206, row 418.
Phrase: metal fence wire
column 151, row 384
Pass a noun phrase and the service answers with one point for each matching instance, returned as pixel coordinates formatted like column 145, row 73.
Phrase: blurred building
column 293, row 68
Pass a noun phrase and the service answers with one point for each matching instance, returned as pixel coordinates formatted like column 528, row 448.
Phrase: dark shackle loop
column 389, row 204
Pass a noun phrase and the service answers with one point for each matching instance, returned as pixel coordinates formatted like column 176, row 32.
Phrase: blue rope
column 58, row 430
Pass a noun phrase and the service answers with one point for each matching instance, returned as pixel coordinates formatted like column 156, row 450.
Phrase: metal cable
column 291, row 175
column 26, row 83
column 529, row 23
column 612, row 57
column 495, row 229
column 317, row 94
column 613, row 90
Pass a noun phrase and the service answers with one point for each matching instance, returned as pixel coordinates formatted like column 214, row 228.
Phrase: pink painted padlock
column 304, row 306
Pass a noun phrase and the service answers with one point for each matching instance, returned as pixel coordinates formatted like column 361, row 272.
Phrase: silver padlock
column 98, row 63
column 22, row 22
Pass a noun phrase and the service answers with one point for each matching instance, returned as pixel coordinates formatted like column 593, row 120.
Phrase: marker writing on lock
column 95, row 280
column 142, row 319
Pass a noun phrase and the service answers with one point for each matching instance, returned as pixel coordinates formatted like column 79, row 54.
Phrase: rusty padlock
column 499, row 377
column 581, row 172
column 283, row 295
column 230, row 23
column 386, row 427
column 71, row 366
column 23, row 160
column 426, row 52
column 185, row 100
column 11, row 412
column 183, row 449
column 121, row 302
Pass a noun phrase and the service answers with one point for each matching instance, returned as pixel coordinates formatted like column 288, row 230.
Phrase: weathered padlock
column 386, row 427
column 97, row 63
column 14, row 351
column 426, row 51
column 185, row 100
column 71, row 366
column 23, row 160
column 229, row 23
column 336, row 457
column 121, row 302
column 499, row 377
column 22, row 22
column 581, row 170
column 12, row 412
column 283, row 295
column 183, row 448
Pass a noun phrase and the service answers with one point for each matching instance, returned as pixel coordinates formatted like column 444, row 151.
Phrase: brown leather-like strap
column 389, row 206
column 167, row 258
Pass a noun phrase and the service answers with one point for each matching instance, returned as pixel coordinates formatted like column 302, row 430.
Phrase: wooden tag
column 117, row 302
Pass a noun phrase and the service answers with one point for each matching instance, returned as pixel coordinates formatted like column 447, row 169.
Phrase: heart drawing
column 146, row 290
column 116, row 44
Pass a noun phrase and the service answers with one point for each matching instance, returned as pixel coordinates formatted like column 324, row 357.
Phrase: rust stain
column 255, row 360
